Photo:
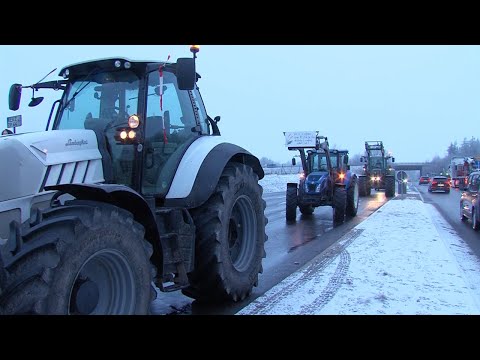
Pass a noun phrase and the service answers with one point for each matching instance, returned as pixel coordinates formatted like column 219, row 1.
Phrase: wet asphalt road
column 289, row 247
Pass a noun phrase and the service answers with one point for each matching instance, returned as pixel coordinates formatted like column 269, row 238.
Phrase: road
column 449, row 206
column 289, row 247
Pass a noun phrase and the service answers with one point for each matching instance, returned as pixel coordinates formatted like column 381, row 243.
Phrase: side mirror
column 14, row 96
column 294, row 162
column 186, row 75
column 361, row 158
column 393, row 159
column 35, row 101
column 345, row 159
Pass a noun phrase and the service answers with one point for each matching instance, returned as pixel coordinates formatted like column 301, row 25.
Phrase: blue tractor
column 326, row 181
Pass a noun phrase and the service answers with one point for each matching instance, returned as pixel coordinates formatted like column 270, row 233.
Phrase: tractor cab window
column 377, row 162
column 319, row 163
column 102, row 103
column 333, row 159
column 202, row 113
column 340, row 160
column 170, row 128
column 103, row 99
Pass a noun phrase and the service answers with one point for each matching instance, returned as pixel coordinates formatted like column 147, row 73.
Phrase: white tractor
column 131, row 186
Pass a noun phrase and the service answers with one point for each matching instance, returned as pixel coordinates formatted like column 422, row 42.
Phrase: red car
column 424, row 180
column 439, row 183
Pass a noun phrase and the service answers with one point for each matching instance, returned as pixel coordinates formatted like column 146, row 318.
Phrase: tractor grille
column 70, row 173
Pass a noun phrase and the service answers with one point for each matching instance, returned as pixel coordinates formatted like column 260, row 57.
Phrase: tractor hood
column 316, row 181
column 31, row 161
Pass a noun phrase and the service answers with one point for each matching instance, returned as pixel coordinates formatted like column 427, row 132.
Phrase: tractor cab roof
column 335, row 151
column 85, row 68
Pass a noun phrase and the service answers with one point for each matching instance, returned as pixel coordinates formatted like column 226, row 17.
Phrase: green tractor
column 378, row 172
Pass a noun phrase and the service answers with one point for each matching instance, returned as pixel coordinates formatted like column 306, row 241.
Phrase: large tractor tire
column 352, row 197
column 389, row 186
column 291, row 203
column 368, row 188
column 340, row 205
column 83, row 257
column 230, row 236
column 362, row 186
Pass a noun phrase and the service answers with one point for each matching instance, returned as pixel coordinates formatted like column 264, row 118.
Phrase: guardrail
column 282, row 169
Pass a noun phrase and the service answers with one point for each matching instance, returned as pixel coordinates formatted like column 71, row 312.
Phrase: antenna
column 39, row 81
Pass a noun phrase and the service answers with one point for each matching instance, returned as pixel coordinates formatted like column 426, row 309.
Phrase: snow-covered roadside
column 459, row 250
column 398, row 261
column 276, row 183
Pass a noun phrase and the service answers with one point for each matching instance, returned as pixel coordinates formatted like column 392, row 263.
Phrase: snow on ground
column 403, row 259
column 275, row 183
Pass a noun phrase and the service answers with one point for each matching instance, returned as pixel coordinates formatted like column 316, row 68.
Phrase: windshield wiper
column 80, row 88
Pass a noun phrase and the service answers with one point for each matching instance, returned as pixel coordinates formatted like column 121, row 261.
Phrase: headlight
column 133, row 121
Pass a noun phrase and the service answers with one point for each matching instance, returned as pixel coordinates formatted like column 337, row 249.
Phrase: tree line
column 439, row 165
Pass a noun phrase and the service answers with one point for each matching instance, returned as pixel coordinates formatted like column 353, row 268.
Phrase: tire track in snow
column 268, row 301
column 332, row 287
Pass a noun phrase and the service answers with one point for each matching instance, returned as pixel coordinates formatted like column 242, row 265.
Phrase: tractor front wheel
column 83, row 258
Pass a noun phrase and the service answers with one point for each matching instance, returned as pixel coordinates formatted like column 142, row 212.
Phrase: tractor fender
column 125, row 198
column 201, row 167
column 348, row 178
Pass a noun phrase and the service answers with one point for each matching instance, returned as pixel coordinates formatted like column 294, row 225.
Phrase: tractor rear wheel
column 83, row 257
column 352, row 197
column 362, row 186
column 230, row 236
column 291, row 202
column 339, row 207
column 389, row 186
column 368, row 188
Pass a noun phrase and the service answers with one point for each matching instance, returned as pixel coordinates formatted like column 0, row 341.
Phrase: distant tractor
column 326, row 179
column 131, row 186
column 377, row 171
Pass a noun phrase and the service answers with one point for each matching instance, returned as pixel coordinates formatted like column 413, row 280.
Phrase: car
column 469, row 207
column 439, row 183
column 424, row 180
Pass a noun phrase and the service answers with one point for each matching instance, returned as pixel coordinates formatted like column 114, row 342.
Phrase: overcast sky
column 416, row 99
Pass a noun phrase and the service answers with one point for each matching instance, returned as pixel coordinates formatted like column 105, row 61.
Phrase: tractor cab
column 145, row 114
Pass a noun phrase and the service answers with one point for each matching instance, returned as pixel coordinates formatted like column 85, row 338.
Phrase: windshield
column 318, row 162
column 102, row 102
column 376, row 162
column 105, row 97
